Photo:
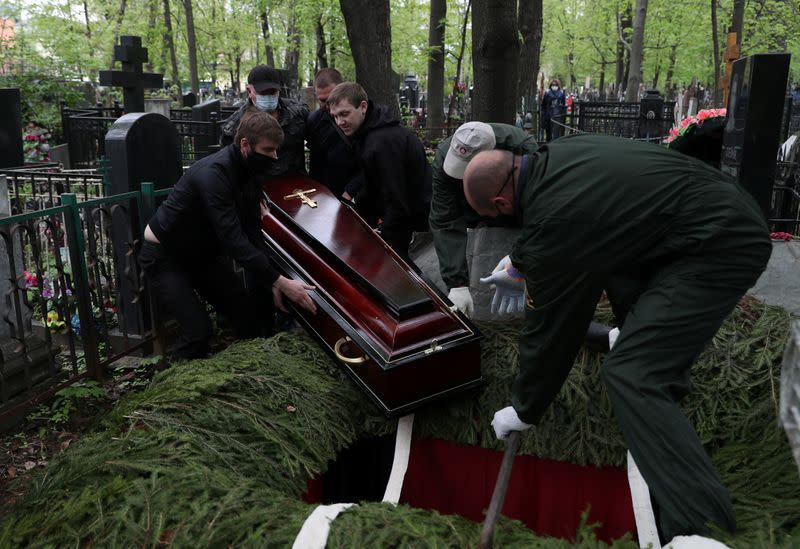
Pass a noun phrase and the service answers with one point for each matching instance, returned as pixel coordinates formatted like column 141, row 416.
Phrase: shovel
column 500, row 488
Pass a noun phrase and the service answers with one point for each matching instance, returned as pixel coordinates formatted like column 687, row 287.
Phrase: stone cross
column 133, row 81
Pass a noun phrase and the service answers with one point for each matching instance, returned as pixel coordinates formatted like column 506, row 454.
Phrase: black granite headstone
column 10, row 128
column 753, row 125
column 189, row 99
column 651, row 115
column 133, row 81
column 206, row 143
column 140, row 147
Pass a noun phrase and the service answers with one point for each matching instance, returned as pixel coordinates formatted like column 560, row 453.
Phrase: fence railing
column 38, row 188
column 75, row 301
column 85, row 131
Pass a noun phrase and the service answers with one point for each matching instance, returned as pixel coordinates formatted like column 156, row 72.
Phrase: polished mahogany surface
column 414, row 348
column 373, row 285
column 333, row 227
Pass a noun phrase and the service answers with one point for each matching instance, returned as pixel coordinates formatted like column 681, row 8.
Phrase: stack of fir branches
column 217, row 452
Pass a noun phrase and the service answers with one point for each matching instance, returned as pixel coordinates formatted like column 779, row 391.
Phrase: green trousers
column 677, row 311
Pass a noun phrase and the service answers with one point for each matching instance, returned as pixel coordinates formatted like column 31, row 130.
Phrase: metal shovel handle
column 500, row 488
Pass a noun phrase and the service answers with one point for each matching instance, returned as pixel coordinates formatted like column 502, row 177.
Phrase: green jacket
column 451, row 215
column 595, row 206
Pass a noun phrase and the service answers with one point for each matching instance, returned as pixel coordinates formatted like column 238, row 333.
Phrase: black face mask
column 259, row 164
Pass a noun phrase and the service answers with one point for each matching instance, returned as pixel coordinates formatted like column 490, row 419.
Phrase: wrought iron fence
column 785, row 205
column 75, row 301
column 85, row 131
column 38, row 188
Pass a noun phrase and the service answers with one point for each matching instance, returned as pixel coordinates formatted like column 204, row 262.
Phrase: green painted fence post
column 80, row 274
column 147, row 207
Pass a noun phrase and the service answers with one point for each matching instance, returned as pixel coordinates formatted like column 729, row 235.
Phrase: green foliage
column 216, row 452
column 41, row 96
column 67, row 401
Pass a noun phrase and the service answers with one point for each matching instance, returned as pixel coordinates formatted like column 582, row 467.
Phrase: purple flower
column 47, row 292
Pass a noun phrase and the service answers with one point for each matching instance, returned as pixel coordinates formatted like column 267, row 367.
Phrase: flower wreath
column 700, row 136
column 691, row 124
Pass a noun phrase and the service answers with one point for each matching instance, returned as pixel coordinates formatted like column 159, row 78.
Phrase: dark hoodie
column 397, row 178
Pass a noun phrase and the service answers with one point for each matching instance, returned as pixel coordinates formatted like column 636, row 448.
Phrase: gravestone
column 133, row 81
column 10, row 128
column 752, row 129
column 140, row 147
column 160, row 106
column 209, row 111
column 189, row 99
column 651, row 115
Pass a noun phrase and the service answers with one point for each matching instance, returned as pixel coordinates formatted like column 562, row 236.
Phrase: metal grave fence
column 72, row 298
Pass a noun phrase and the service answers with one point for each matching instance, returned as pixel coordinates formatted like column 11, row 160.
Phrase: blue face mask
column 267, row 103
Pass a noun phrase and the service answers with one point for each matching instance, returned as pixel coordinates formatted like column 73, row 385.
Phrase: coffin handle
column 337, row 349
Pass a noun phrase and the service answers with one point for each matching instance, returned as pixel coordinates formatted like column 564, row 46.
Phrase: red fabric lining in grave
column 547, row 496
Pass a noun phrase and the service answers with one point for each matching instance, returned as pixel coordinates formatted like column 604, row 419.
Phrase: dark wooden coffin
column 394, row 334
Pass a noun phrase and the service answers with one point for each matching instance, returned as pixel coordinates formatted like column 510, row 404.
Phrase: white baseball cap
column 469, row 139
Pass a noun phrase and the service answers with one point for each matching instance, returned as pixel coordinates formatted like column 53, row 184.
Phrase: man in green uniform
column 450, row 214
column 597, row 206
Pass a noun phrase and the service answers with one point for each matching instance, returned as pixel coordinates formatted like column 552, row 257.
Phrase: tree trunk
column 435, row 101
column 459, row 60
column 117, row 27
column 668, row 85
column 292, row 59
column 370, row 35
column 737, row 24
column 530, row 28
column 152, row 15
column 191, row 43
column 715, row 47
column 656, row 74
column 170, row 43
column 623, row 49
column 495, row 58
column 637, row 53
column 602, row 88
column 322, row 54
column 86, row 18
column 270, row 54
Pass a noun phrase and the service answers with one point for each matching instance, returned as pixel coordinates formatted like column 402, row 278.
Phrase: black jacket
column 292, row 117
column 214, row 210
column 397, row 177
column 332, row 159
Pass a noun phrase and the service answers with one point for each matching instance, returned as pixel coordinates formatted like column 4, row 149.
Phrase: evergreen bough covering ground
column 217, row 452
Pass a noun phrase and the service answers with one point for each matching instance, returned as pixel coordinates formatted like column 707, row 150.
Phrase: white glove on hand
column 507, row 420
column 612, row 337
column 502, row 264
column 509, row 290
column 462, row 299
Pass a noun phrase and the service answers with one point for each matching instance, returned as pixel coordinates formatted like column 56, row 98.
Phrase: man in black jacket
column 332, row 160
column 212, row 216
column 396, row 192
column 264, row 86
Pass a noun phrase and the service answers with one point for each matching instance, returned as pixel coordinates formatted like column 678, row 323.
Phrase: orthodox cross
column 297, row 193
column 133, row 81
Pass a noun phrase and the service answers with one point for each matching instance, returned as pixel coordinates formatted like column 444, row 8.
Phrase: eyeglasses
column 510, row 177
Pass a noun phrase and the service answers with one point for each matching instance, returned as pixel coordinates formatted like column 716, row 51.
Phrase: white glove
column 507, row 420
column 462, row 300
column 502, row 264
column 612, row 337
column 509, row 290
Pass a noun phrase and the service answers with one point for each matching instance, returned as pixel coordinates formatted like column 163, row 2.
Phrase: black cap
column 264, row 77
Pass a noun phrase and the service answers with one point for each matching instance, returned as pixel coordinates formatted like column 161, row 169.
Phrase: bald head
column 483, row 180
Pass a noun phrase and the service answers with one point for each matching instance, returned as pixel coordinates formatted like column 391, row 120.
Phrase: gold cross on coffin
column 302, row 196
